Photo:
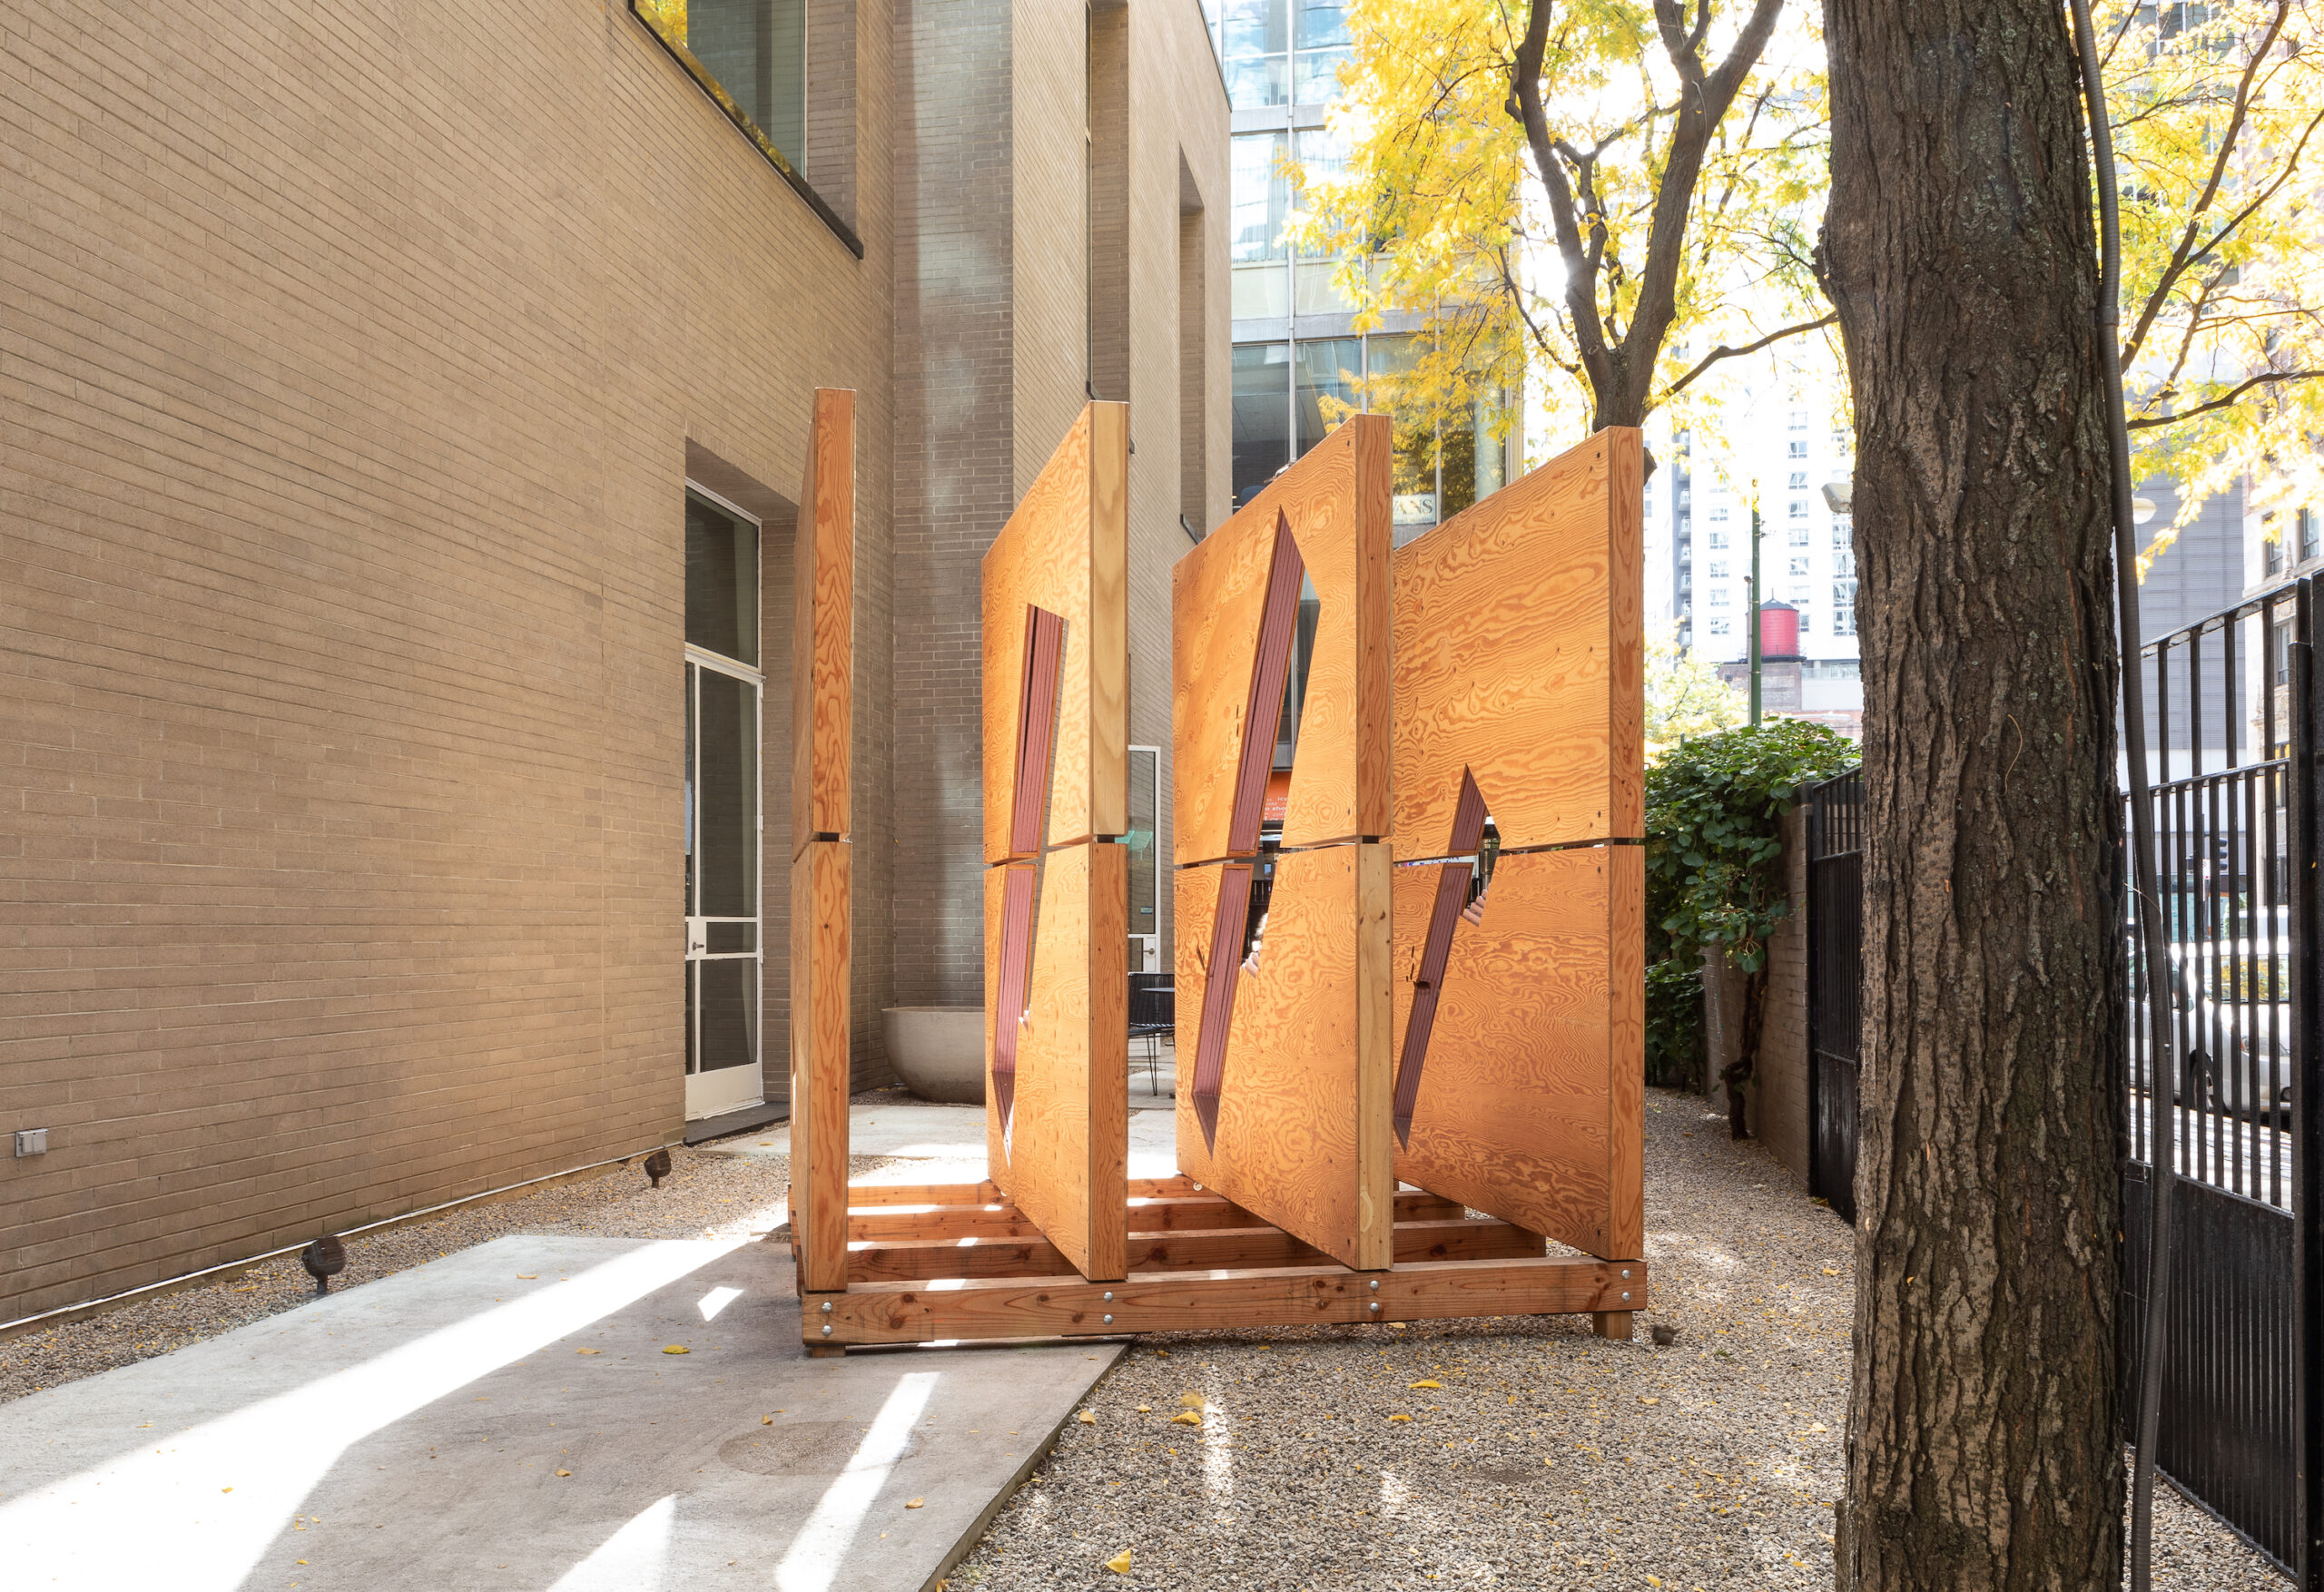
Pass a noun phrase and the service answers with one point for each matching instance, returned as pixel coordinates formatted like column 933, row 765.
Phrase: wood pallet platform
column 948, row 1262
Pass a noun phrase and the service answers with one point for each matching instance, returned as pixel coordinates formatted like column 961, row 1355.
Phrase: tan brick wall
column 350, row 368
column 1778, row 1111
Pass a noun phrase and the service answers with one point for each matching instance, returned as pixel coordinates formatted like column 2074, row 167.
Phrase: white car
column 2231, row 1006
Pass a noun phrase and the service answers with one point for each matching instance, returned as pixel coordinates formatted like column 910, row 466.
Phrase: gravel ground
column 706, row 1196
column 1544, row 1457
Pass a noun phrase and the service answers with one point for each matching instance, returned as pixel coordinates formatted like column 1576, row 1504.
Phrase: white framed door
column 725, row 938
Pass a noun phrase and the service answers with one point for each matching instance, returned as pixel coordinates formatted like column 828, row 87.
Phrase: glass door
column 724, row 1052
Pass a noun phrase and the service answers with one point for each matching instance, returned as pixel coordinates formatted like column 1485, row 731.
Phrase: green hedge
column 1712, row 875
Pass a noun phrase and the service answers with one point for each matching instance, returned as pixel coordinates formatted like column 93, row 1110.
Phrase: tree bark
column 1983, row 1443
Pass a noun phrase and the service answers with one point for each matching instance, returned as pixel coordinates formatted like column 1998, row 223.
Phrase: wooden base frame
column 953, row 1262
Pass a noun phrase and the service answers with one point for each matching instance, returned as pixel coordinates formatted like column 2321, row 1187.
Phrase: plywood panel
column 1532, row 1084
column 1238, row 1248
column 823, row 625
column 820, row 935
column 1066, row 550
column 1336, row 502
column 1303, row 1137
column 1062, row 1152
column 1519, row 655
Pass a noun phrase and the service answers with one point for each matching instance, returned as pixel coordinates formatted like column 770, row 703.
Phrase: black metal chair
column 1153, row 1008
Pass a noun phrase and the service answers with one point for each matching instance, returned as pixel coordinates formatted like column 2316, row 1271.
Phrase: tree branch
column 1580, row 279
column 2180, row 257
column 1724, row 352
column 2264, row 379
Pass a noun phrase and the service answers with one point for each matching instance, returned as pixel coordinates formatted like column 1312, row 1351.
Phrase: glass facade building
column 1299, row 362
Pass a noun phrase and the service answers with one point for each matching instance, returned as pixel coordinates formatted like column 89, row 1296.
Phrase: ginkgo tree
column 2216, row 110
column 1601, row 200
column 1593, row 189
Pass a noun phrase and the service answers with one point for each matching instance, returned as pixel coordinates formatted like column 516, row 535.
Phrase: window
column 751, row 56
column 1844, row 532
column 1719, row 596
column 1844, row 607
column 1798, row 449
column 1800, row 480
column 1718, row 513
column 1798, row 420
column 2309, row 531
column 1798, row 538
column 1328, row 371
column 1718, row 538
column 1807, row 622
column 1844, row 563
column 1799, row 567
column 1316, row 289
column 1254, row 49
column 1261, row 204
column 2273, row 543
column 1721, row 627
column 1443, row 462
column 1321, row 26
column 1262, row 416
column 1718, row 570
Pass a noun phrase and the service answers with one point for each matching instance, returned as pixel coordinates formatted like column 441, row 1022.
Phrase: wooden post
column 822, row 722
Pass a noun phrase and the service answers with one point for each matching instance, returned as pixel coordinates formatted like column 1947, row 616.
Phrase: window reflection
column 751, row 55
column 1262, row 416
column 1330, row 375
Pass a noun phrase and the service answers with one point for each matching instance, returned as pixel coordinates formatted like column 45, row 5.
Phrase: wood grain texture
column 1520, row 656
column 1008, row 1307
column 1229, row 1248
column 1336, row 500
column 822, row 631
column 1302, row 1128
column 1063, row 1154
column 820, row 944
column 1066, row 549
column 1161, row 1213
column 1539, row 1031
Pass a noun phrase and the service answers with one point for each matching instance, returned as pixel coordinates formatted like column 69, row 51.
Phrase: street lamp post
column 1754, row 595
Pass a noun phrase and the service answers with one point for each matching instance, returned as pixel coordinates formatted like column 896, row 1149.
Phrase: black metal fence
column 2232, row 729
column 2230, row 720
column 1835, row 809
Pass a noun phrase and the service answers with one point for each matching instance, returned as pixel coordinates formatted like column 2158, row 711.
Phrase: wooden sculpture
column 1056, row 883
column 1391, row 1025
column 1283, row 1064
column 823, row 720
column 1520, row 693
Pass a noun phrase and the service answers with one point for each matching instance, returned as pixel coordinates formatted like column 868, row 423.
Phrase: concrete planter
column 938, row 1051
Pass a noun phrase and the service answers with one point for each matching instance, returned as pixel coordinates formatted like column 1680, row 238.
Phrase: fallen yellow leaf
column 1644, row 1400
column 675, row 1349
column 565, row 1473
column 1165, row 1353
column 528, row 1276
column 225, row 1489
column 1423, row 1384
column 1186, row 1418
column 1119, row 1563
column 766, row 1420
column 247, row 1288
column 1654, row 1580
column 1819, row 1426
column 588, row 1352
column 1088, row 1417
column 914, row 1503
column 1400, row 1418
column 1146, row 1409
column 1831, row 1271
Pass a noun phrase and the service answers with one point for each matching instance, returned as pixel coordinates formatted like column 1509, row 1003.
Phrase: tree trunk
column 1745, row 1065
column 1983, row 1444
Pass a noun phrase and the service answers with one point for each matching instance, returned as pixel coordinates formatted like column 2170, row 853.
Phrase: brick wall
column 349, row 367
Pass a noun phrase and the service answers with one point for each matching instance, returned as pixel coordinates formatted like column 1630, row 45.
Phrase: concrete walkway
column 946, row 1144
column 506, row 1417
